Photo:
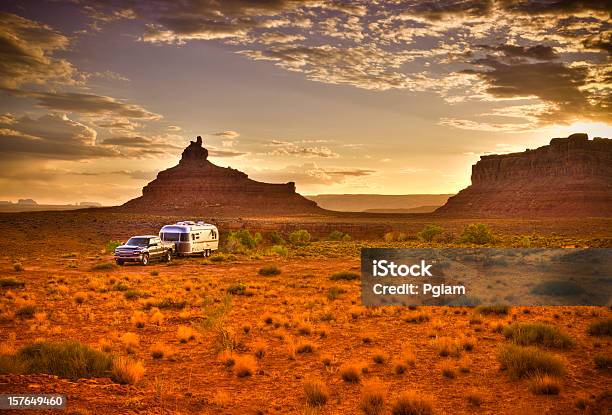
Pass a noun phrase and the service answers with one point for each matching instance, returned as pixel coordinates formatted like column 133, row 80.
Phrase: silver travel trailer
column 191, row 238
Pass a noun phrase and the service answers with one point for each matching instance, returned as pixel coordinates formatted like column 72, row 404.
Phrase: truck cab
column 143, row 249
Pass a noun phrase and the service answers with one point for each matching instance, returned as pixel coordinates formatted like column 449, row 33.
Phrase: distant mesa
column 196, row 187
column 570, row 177
column 26, row 202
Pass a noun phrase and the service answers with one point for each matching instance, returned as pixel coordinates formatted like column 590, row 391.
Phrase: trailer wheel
column 207, row 252
column 145, row 259
column 168, row 256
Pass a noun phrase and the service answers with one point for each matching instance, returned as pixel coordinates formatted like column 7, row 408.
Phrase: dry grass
column 448, row 370
column 445, row 346
column 545, row 385
column 161, row 350
column 139, row 319
column 130, row 341
column 380, row 356
column 316, row 392
column 411, row 403
column 244, row 366
column 372, row 401
column 127, row 371
column 350, row 372
column 538, row 334
column 227, row 358
column 522, row 362
column 185, row 334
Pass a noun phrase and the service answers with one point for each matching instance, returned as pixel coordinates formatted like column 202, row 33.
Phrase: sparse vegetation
column 11, row 283
column 269, row 270
column 540, row 334
column 429, row 232
column 104, row 266
column 411, row 403
column 545, row 385
column 244, row 366
column 300, row 237
column 603, row 361
column 372, row 401
column 600, row 328
column 477, row 233
column 345, row 276
column 26, row 311
column 496, row 310
column 127, row 371
column 350, row 372
column 316, row 392
column 70, row 360
column 111, row 246
column 524, row 362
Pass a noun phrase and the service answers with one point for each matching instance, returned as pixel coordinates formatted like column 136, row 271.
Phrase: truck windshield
column 138, row 242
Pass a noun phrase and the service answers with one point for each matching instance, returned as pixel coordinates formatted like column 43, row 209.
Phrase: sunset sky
column 390, row 97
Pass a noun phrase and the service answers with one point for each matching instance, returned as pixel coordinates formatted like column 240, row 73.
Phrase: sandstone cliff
column 569, row 177
column 198, row 187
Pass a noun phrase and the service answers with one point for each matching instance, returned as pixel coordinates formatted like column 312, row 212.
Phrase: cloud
column 87, row 104
column 49, row 136
column 27, row 51
column 310, row 173
column 539, row 52
column 229, row 134
column 215, row 152
column 284, row 148
column 554, row 83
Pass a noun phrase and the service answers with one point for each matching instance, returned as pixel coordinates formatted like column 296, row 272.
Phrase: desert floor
column 295, row 327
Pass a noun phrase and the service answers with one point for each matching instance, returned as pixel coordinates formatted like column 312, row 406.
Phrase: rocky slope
column 196, row 186
column 569, row 177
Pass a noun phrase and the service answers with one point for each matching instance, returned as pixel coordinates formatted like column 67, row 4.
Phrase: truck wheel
column 120, row 262
column 145, row 259
column 168, row 256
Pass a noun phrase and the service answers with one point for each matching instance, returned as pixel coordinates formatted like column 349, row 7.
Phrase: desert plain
column 278, row 327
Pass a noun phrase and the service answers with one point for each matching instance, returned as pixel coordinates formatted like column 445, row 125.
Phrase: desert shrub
column 237, row 289
column 603, row 361
column 524, row 362
column 600, row 328
column 280, row 250
column 448, row 371
column 416, row 318
column 410, row 403
column 335, row 236
column 111, row 246
column 300, row 237
column 545, row 385
column 429, row 232
column 445, row 346
column 477, row 233
column 304, row 346
column 316, row 392
column 350, row 373
column 244, row 366
column 104, row 266
column 475, row 398
column 344, row 275
column 241, row 241
column 274, row 237
column 168, row 304
column 70, row 360
column 159, row 350
column 498, row 310
column 372, row 401
column 379, row 357
column 127, row 371
column 269, row 270
column 396, row 236
column 11, row 283
column 131, row 294
column 26, row 311
column 559, row 288
column 334, row 292
column 17, row 267
column 540, row 334
column 465, row 301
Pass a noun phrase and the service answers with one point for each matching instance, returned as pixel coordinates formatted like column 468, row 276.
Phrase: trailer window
column 184, row 237
column 213, row 234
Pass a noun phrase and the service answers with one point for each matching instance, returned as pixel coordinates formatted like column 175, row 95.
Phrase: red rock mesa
column 196, row 186
column 569, row 177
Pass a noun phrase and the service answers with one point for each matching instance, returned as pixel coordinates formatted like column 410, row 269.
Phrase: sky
column 387, row 97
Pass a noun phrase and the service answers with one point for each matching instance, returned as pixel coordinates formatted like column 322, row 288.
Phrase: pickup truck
column 144, row 249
